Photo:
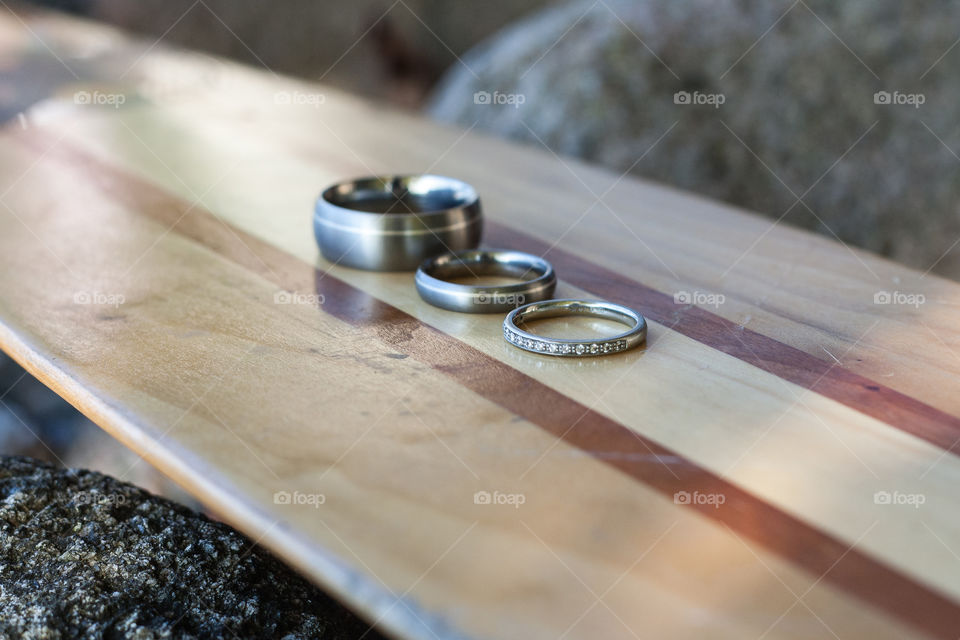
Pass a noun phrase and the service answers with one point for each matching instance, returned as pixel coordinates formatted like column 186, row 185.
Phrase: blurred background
column 841, row 118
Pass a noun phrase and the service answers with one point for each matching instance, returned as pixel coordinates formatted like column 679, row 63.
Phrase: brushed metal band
column 392, row 223
column 516, row 336
column 434, row 274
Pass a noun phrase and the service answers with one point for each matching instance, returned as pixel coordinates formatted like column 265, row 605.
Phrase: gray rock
column 85, row 556
column 598, row 80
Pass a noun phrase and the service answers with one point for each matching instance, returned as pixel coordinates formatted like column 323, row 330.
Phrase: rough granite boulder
column 85, row 556
column 853, row 106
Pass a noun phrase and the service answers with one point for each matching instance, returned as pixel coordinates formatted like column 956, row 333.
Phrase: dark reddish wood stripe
column 789, row 363
column 638, row 457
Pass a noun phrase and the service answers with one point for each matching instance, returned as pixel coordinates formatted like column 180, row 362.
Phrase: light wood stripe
column 856, row 391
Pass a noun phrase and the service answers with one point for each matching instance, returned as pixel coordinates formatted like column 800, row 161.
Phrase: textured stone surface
column 82, row 555
column 798, row 80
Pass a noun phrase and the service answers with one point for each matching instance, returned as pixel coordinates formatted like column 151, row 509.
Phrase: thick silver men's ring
column 574, row 348
column 391, row 223
column 434, row 274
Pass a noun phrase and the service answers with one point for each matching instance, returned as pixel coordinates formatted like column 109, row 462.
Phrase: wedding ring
column 391, row 223
column 574, row 348
column 434, row 274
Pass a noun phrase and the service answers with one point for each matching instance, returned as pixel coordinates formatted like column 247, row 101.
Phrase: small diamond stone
column 580, row 349
column 594, row 348
column 567, row 348
column 605, row 347
column 553, row 348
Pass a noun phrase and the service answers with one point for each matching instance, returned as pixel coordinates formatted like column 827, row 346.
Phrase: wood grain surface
column 779, row 461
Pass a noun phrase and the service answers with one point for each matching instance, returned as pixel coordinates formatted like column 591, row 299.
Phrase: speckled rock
column 85, row 556
column 787, row 104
